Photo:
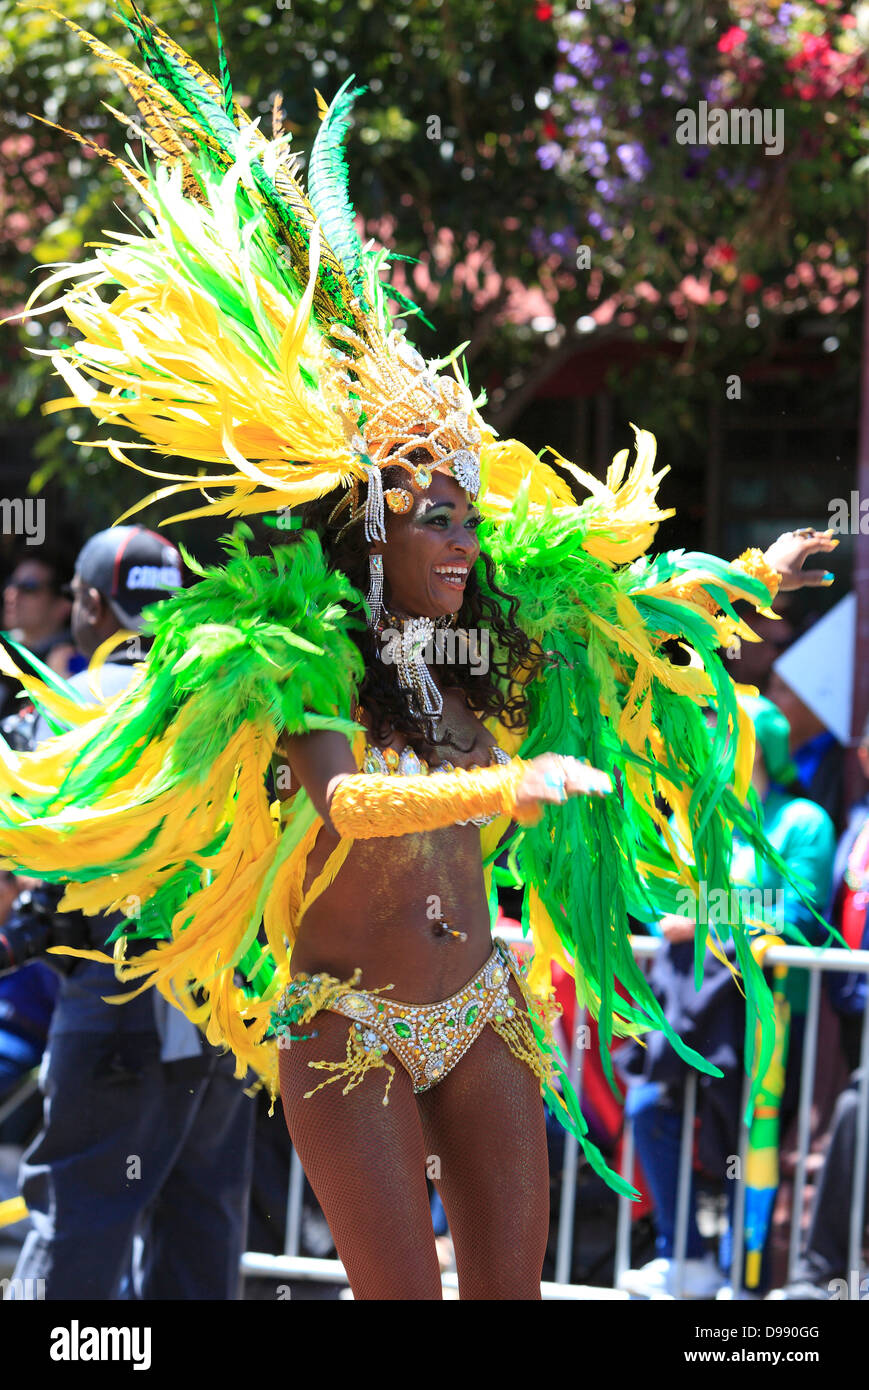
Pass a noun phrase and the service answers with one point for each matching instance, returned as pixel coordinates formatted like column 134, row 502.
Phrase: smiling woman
column 372, row 916
column 437, row 532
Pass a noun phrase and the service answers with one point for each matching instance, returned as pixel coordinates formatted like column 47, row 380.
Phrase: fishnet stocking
column 482, row 1129
column 366, row 1164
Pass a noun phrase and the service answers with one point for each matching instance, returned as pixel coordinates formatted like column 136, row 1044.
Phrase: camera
column 34, row 924
column 18, row 729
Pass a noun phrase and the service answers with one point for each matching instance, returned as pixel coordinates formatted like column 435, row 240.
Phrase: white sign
column 819, row 667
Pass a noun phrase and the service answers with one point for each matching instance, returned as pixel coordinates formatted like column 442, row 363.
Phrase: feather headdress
column 252, row 327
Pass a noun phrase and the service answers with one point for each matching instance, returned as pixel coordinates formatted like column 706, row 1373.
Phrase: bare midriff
column 380, row 912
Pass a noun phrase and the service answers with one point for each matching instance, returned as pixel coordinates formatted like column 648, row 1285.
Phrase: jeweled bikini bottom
column 427, row 1039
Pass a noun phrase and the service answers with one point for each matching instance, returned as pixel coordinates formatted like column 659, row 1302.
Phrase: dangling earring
column 375, row 589
column 375, row 524
column 425, row 700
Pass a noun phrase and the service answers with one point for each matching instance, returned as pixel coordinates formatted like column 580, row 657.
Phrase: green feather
column 223, row 67
column 586, row 852
column 199, row 96
column 328, row 184
column 264, row 638
column 49, row 677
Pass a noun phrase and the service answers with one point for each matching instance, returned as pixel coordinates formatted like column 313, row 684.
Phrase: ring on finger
column 556, row 781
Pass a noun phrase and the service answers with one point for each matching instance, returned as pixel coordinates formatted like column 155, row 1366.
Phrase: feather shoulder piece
column 156, row 804
column 635, row 683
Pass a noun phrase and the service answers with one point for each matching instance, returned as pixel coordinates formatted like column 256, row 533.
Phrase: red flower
column 543, row 11
column 751, row 282
column 732, row 39
column 817, row 46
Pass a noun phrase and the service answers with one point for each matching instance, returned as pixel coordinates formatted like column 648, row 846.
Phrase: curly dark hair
column 485, row 605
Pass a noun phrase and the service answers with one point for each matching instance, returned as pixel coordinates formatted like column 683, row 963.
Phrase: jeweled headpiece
column 391, row 403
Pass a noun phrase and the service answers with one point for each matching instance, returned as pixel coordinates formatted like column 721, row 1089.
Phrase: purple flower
column 645, row 78
column 583, row 57
column 634, row 161
column 610, row 190
column 600, row 82
column 549, row 155
column 563, row 80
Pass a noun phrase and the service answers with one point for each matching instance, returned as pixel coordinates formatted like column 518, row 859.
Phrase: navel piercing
column 443, row 928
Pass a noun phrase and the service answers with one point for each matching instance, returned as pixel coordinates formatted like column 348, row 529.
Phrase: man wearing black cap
column 146, row 1133
column 118, row 573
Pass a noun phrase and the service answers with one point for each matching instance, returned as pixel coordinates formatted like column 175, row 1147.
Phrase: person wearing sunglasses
column 36, row 610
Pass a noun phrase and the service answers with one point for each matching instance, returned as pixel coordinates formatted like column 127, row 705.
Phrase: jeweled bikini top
column 387, row 762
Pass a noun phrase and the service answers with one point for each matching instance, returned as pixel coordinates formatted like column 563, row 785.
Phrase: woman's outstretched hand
column 789, row 553
column 553, row 778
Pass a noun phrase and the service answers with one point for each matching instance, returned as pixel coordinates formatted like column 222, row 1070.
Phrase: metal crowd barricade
column 294, row 1266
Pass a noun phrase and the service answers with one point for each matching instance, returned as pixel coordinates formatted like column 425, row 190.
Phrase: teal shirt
column 804, row 836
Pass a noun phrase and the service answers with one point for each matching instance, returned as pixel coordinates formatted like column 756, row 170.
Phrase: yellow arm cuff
column 365, row 806
column 753, row 563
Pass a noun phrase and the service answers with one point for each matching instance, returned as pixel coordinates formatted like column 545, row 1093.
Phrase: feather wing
column 619, row 695
column 175, row 765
